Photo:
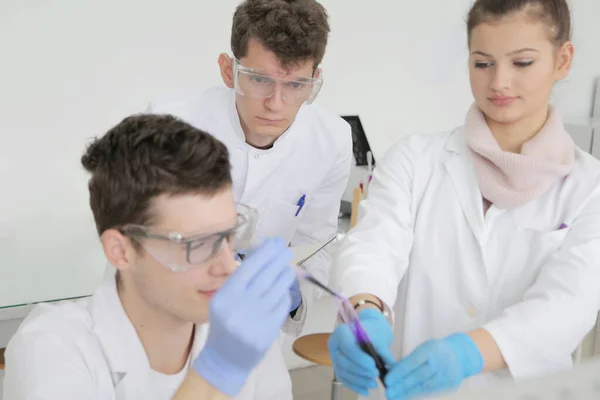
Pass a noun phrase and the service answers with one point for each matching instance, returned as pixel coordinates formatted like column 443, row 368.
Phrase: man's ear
column 118, row 249
column 226, row 67
column 317, row 73
column 564, row 60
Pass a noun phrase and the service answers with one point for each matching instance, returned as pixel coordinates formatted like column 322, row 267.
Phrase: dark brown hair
column 295, row 30
column 145, row 156
column 554, row 13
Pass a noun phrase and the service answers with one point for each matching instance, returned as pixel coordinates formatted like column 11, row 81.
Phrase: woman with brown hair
column 484, row 241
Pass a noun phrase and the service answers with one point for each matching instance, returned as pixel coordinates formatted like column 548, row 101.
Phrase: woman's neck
column 167, row 340
column 511, row 137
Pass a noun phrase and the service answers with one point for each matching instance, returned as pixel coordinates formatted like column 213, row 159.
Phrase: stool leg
column 336, row 389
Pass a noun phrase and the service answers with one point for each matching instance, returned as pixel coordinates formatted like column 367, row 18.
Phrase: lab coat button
column 256, row 156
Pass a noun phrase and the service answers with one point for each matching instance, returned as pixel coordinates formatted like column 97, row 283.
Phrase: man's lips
column 268, row 121
column 208, row 293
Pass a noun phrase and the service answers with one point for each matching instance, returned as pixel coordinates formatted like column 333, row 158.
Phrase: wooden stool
column 314, row 349
column 357, row 196
column 2, row 359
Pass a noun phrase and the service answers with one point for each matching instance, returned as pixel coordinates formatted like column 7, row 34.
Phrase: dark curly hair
column 145, row 156
column 295, row 30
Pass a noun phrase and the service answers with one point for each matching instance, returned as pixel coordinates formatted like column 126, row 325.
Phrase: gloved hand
column 296, row 295
column 246, row 315
column 435, row 366
column 352, row 366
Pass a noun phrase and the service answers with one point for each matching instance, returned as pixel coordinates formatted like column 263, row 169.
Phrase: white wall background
column 70, row 69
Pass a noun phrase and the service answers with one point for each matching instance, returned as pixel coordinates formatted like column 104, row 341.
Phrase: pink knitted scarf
column 509, row 180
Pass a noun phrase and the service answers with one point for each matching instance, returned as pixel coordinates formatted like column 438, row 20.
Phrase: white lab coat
column 313, row 157
column 88, row 349
column 424, row 246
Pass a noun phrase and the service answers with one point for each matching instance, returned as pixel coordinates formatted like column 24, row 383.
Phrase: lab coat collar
column 236, row 124
column 120, row 343
column 462, row 173
column 283, row 141
column 457, row 142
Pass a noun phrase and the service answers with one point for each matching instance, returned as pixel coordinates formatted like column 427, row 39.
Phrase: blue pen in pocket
column 300, row 204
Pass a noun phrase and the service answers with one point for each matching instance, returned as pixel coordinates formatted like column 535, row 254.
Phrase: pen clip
column 300, row 204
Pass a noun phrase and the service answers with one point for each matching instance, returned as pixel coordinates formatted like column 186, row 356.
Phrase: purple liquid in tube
column 365, row 344
column 359, row 333
column 351, row 319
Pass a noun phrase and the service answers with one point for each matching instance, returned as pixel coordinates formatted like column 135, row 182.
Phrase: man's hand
column 246, row 316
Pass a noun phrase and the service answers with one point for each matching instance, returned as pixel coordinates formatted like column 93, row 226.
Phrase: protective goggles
column 251, row 83
column 180, row 253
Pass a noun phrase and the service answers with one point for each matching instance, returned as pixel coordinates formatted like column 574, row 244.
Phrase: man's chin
column 199, row 315
column 271, row 132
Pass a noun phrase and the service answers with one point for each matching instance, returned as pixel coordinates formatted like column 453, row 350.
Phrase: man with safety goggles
column 176, row 317
column 291, row 159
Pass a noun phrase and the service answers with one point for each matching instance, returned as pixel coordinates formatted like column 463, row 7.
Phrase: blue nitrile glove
column 435, row 366
column 352, row 366
column 296, row 295
column 246, row 316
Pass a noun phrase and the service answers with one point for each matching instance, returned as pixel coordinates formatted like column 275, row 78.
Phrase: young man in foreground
column 160, row 192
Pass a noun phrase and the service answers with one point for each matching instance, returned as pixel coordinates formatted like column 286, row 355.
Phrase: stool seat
column 313, row 348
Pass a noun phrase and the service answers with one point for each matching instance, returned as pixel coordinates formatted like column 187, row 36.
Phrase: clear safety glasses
column 180, row 253
column 251, row 83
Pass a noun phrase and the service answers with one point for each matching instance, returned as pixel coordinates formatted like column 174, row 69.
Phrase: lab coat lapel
column 462, row 174
column 561, row 203
column 238, row 138
column 120, row 343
